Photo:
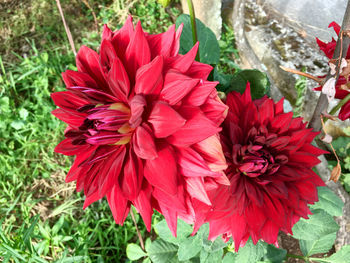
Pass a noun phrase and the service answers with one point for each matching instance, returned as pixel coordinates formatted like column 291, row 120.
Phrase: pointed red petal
column 68, row 100
column 91, row 199
column 143, row 205
column 118, row 80
column 107, row 55
column 137, row 53
column 195, row 188
column 74, row 119
column 165, row 120
column 78, row 79
column 149, row 78
column 161, row 44
column 162, row 171
column 118, row 204
column 184, row 62
column 143, row 143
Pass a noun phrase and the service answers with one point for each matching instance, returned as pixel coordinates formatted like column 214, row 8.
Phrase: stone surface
column 313, row 16
column 209, row 12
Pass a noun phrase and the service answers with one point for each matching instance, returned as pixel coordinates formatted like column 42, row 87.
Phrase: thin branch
column 340, row 52
column 69, row 35
column 300, row 73
column 194, row 26
column 93, row 13
column 137, row 229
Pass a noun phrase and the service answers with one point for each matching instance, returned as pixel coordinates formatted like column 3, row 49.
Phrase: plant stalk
column 69, row 35
column 339, row 53
column 340, row 104
column 194, row 26
column 137, row 229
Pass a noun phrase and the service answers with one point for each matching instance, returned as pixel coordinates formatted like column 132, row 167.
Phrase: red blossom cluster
column 148, row 129
column 341, row 87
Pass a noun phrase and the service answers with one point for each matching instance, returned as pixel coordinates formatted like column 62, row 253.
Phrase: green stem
column 340, row 104
column 193, row 24
column 294, row 256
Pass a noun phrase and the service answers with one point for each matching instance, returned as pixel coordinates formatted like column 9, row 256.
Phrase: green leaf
column 161, row 251
column 329, row 202
column 251, row 253
column 342, row 256
column 229, row 258
column 224, row 80
column 214, row 257
column 209, row 50
column 29, row 231
column 274, row 254
column 259, row 83
column 74, row 259
column 17, row 125
column 189, row 248
column 134, row 252
column 23, row 113
column 183, row 231
column 321, row 245
column 318, row 225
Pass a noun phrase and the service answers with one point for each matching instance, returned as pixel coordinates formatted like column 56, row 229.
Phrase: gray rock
column 209, row 12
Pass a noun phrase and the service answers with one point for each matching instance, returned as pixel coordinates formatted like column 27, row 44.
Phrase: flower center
column 104, row 125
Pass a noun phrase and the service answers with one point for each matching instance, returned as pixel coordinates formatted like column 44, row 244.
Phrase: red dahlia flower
column 143, row 123
column 269, row 156
column 341, row 93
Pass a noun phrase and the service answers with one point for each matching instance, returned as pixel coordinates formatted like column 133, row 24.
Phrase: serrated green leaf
column 342, row 256
column 224, row 80
column 189, row 248
column 321, row 245
column 274, row 254
column 134, row 252
column 318, row 225
column 161, row 251
column 329, row 202
column 342, row 146
column 183, row 231
column 209, row 50
column 251, row 253
column 259, row 83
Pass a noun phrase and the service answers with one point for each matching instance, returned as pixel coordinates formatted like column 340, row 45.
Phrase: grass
column 42, row 217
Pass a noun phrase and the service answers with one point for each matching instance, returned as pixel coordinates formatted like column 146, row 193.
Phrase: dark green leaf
column 134, row 252
column 209, row 50
column 28, row 233
column 318, row 225
column 183, row 231
column 329, row 202
column 224, row 80
column 259, row 83
column 161, row 251
column 274, row 254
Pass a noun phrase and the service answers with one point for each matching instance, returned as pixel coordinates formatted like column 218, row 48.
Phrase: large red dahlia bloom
column 143, row 123
column 269, row 156
column 341, row 92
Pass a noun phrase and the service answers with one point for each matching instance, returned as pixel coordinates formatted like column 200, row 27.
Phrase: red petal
column 269, row 232
column 118, row 204
column 200, row 93
column 137, row 53
column 118, row 80
column 199, row 70
column 122, row 37
column 176, row 43
column 177, row 86
column 88, row 62
column 197, row 128
column 195, row 188
column 91, row 199
column 107, row 55
column 171, row 218
column 113, row 168
column 68, row 100
column 130, row 181
column 143, row 204
column 162, row 171
column 161, row 44
column 238, row 229
column 74, row 119
column 192, row 164
column 78, row 79
column 165, row 120
column 67, row 148
column 143, row 143
column 266, row 111
column 149, row 78
column 107, row 33
column 184, row 62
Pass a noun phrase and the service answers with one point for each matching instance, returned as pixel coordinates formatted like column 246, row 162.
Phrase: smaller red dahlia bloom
column 328, row 49
column 143, row 123
column 270, row 160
